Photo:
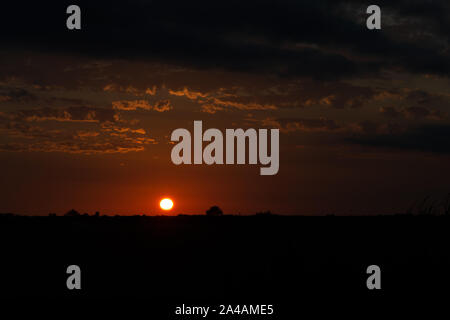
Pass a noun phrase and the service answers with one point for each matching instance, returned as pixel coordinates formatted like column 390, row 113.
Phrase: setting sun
column 166, row 204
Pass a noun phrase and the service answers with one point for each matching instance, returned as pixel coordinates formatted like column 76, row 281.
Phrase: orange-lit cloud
column 301, row 124
column 94, row 131
column 130, row 90
column 132, row 105
column 188, row 93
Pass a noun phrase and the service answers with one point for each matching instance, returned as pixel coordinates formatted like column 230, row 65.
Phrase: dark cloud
column 321, row 39
column 423, row 113
column 419, row 96
column 416, row 113
column 16, row 94
column 425, row 138
column 390, row 112
column 368, row 127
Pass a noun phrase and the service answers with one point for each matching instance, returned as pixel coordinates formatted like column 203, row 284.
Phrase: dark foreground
column 290, row 262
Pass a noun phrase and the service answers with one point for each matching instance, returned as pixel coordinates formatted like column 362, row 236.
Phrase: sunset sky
column 86, row 115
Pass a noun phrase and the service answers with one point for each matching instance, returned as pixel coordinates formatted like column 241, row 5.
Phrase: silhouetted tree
column 72, row 213
column 214, row 211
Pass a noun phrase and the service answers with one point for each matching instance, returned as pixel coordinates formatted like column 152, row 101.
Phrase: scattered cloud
column 111, row 87
column 132, row 105
column 211, row 109
column 301, row 124
column 47, row 130
column 193, row 95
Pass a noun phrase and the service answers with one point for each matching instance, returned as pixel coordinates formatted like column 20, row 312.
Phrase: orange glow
column 166, row 204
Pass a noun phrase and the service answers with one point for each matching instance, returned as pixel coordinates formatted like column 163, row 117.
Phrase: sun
column 166, row 204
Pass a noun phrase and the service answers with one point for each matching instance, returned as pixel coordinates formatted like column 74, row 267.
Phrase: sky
column 86, row 115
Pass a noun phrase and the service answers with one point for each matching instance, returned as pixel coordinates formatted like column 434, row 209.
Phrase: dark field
column 279, row 260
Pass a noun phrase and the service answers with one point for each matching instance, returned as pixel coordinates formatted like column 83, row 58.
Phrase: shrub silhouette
column 214, row 211
column 72, row 213
column 427, row 206
column 430, row 206
column 446, row 205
